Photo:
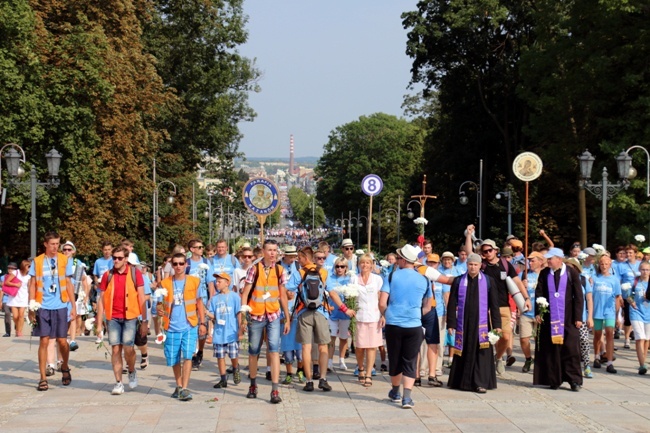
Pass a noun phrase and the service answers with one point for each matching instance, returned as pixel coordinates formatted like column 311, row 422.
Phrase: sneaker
column 59, row 363
column 252, row 392
column 322, row 384
column 160, row 338
column 356, row 371
column 176, row 392
column 611, row 369
column 347, row 353
column 185, row 395
column 643, row 370
column 221, row 384
column 374, row 372
column 596, row 363
column 199, row 356
column 627, row 344
column 527, row 364
column 287, row 380
column 230, row 370
column 587, row 373
column 133, row 380
column 49, row 370
column 395, row 397
column 268, row 375
column 301, row 377
column 511, row 360
column 435, row 382
column 342, row 366
column 195, row 363
column 438, row 373
column 418, row 382
column 330, row 366
column 383, row 367
column 501, row 368
column 275, row 397
column 407, row 403
column 309, row 386
column 617, row 335
column 73, row 346
column 118, row 389
column 236, row 377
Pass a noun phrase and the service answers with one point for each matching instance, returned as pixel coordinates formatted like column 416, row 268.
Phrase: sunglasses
column 247, row 257
column 198, row 246
column 348, row 248
column 340, row 266
column 118, row 258
column 66, row 250
column 489, row 250
column 178, row 263
column 320, row 258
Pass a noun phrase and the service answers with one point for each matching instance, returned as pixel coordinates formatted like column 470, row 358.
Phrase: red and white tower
column 291, row 166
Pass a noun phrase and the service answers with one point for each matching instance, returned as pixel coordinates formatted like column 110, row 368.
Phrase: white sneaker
column 501, row 367
column 330, row 365
column 133, row 380
column 342, row 366
column 118, row 389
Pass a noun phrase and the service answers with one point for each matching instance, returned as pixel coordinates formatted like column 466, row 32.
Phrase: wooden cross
column 423, row 197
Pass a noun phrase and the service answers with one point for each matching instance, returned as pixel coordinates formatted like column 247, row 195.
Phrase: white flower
column 203, row 266
column 493, row 337
column 349, row 290
column 582, row 256
column 245, row 309
column 89, row 324
column 421, row 220
column 542, row 302
column 33, row 305
column 359, row 252
column 384, row 263
column 639, row 238
column 599, row 248
column 626, row 286
column 160, row 293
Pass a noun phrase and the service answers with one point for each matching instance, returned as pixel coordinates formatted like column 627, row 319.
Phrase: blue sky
column 323, row 65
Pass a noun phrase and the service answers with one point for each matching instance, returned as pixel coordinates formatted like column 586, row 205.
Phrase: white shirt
column 368, row 301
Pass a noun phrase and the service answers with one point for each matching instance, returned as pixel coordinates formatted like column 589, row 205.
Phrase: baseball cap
column 554, row 252
column 223, row 276
column 516, row 243
column 589, row 251
column 433, row 257
column 536, row 255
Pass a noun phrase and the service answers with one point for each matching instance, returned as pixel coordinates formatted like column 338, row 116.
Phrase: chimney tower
column 291, row 169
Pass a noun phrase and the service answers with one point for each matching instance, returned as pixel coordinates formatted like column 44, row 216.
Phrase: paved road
column 607, row 402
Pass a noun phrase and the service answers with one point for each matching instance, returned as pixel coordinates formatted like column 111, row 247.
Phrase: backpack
column 312, row 289
column 131, row 271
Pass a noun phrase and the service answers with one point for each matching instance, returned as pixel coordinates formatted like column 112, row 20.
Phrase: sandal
column 67, row 377
column 368, row 382
column 362, row 376
column 42, row 385
column 144, row 363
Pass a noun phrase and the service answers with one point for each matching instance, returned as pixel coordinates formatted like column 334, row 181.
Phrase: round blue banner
column 260, row 196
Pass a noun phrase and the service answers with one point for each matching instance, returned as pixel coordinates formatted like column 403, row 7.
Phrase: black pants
column 7, row 310
column 403, row 347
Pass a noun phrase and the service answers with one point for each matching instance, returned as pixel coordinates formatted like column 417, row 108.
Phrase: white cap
column 133, row 259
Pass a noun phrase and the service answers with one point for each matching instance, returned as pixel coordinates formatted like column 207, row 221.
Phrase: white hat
column 447, row 254
column 70, row 244
column 347, row 243
column 408, row 253
column 133, row 259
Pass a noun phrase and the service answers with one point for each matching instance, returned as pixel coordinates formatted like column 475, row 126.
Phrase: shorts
column 339, row 328
column 368, row 335
column 403, row 347
column 641, row 330
column 290, row 355
column 122, row 332
column 256, row 332
column 232, row 349
column 431, row 327
column 180, row 346
column 506, row 324
column 527, row 326
column 51, row 323
column 607, row 323
column 312, row 328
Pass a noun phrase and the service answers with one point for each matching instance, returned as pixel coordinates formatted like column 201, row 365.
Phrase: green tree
column 301, row 205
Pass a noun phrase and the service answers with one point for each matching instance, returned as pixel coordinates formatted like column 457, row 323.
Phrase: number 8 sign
column 372, row 185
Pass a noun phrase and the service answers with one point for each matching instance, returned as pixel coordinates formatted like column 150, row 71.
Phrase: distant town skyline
column 323, row 65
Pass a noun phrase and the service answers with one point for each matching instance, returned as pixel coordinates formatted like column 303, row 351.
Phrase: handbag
column 10, row 290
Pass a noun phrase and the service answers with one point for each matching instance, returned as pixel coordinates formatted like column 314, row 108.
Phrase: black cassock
column 557, row 363
column 475, row 367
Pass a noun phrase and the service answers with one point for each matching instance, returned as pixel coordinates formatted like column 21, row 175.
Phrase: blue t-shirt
column 332, row 283
column 606, row 289
column 441, row 308
column 329, row 263
column 206, row 276
column 102, row 265
column 225, row 264
column 461, row 267
column 628, row 272
column 532, row 285
column 642, row 311
column 52, row 299
column 178, row 321
column 225, row 307
column 408, row 289
column 587, row 288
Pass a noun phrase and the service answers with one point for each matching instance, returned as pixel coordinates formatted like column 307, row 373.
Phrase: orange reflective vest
column 422, row 269
column 190, row 296
column 131, row 303
column 62, row 262
column 266, row 293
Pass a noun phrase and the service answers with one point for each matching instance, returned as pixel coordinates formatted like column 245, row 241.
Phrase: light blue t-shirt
column 329, row 263
column 102, row 265
column 606, row 289
column 225, row 308
column 587, row 288
column 628, row 272
column 642, row 311
column 441, row 308
column 225, row 264
column 206, row 276
column 52, row 299
column 408, row 289
column 532, row 278
column 178, row 321
column 461, row 267
column 332, row 283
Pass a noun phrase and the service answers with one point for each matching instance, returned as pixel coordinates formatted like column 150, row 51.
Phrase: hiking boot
column 287, row 380
column 221, row 384
column 118, row 389
column 322, row 384
column 230, row 370
column 611, row 369
column 275, row 397
column 435, row 382
column 252, row 391
column 309, row 386
column 587, row 373
column 236, row 376
column 527, row 364
column 176, row 392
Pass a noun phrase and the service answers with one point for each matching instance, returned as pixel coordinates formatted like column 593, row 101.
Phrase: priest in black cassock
column 472, row 312
column 557, row 351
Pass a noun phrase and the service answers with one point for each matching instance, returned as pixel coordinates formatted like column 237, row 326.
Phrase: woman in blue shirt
column 640, row 316
column 607, row 297
column 338, row 320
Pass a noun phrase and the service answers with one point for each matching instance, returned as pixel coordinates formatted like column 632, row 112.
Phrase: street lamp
column 13, row 159
column 409, row 212
column 633, row 172
column 604, row 190
column 507, row 194
column 397, row 215
column 170, row 200
column 464, row 200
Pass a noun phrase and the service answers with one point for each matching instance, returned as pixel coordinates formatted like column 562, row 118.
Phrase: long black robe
column 557, row 363
column 475, row 367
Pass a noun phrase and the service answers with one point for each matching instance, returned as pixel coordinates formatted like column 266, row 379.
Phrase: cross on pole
column 423, row 197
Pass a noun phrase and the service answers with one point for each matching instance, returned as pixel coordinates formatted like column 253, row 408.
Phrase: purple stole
column 557, row 305
column 482, row 313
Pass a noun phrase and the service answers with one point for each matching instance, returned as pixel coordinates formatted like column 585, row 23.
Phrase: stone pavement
column 607, row 402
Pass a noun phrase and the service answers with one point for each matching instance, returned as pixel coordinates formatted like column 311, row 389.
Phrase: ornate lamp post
column 508, row 195
column 170, row 200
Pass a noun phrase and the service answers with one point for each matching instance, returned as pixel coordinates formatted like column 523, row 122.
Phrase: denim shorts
column 273, row 335
column 121, row 331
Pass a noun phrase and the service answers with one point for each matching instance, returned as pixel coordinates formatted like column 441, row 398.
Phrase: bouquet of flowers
column 160, row 293
column 542, row 306
column 350, row 294
column 639, row 238
column 628, row 294
column 420, row 222
column 599, row 248
column 494, row 337
column 34, row 307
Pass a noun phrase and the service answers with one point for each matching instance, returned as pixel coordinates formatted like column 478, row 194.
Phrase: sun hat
column 408, row 253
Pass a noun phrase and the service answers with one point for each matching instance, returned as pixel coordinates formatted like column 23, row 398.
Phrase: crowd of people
column 415, row 306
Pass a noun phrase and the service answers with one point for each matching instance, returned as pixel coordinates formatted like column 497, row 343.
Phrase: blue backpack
column 312, row 289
